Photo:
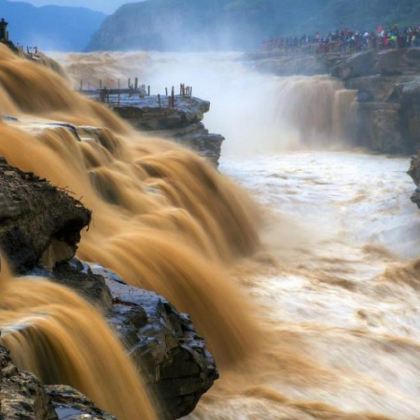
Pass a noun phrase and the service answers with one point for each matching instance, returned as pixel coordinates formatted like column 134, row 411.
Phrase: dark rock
column 198, row 138
column 70, row 404
column 161, row 340
column 38, row 222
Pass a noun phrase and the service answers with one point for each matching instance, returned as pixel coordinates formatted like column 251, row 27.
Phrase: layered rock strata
column 387, row 85
column 180, row 121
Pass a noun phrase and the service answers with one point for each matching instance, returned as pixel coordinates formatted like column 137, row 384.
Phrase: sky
column 106, row 6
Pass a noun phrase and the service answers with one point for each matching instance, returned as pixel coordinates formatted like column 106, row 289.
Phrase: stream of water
column 335, row 289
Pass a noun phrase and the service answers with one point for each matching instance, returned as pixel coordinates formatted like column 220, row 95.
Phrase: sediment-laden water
column 321, row 320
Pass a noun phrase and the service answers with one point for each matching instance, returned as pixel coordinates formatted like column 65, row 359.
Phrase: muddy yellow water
column 306, row 287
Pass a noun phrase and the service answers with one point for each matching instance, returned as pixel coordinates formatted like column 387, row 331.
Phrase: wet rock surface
column 38, row 222
column 70, row 404
column 162, row 341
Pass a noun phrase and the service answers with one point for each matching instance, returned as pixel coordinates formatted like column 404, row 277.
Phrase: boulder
column 38, row 222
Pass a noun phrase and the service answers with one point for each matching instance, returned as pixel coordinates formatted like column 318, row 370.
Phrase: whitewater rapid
column 337, row 285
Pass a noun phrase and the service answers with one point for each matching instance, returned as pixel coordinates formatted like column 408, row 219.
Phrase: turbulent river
column 335, row 289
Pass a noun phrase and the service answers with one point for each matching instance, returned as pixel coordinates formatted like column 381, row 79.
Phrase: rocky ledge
column 387, row 84
column 180, row 121
column 39, row 231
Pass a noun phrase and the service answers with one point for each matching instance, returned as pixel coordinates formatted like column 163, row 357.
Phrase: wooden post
column 148, row 90
column 136, row 83
column 173, row 96
column 100, row 84
column 159, row 102
column 166, row 91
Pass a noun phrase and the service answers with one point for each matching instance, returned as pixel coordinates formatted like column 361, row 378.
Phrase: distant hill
column 239, row 24
column 51, row 27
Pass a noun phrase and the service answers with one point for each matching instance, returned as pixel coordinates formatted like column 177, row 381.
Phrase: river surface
column 337, row 285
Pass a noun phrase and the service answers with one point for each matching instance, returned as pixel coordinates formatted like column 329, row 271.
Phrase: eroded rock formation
column 38, row 222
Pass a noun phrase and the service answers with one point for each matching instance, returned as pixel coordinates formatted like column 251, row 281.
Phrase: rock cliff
column 388, row 91
column 181, row 122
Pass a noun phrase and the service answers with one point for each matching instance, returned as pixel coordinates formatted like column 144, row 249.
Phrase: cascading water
column 333, row 330
column 333, row 287
column 52, row 332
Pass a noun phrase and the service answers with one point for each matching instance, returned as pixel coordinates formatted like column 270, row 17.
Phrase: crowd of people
column 348, row 41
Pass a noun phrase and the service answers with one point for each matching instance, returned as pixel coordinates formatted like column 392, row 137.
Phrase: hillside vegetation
column 240, row 24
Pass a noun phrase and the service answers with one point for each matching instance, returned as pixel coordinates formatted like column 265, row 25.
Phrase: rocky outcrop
column 37, row 221
column 180, row 122
column 22, row 396
column 414, row 172
column 388, row 86
column 388, row 92
column 39, row 230
column 161, row 340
